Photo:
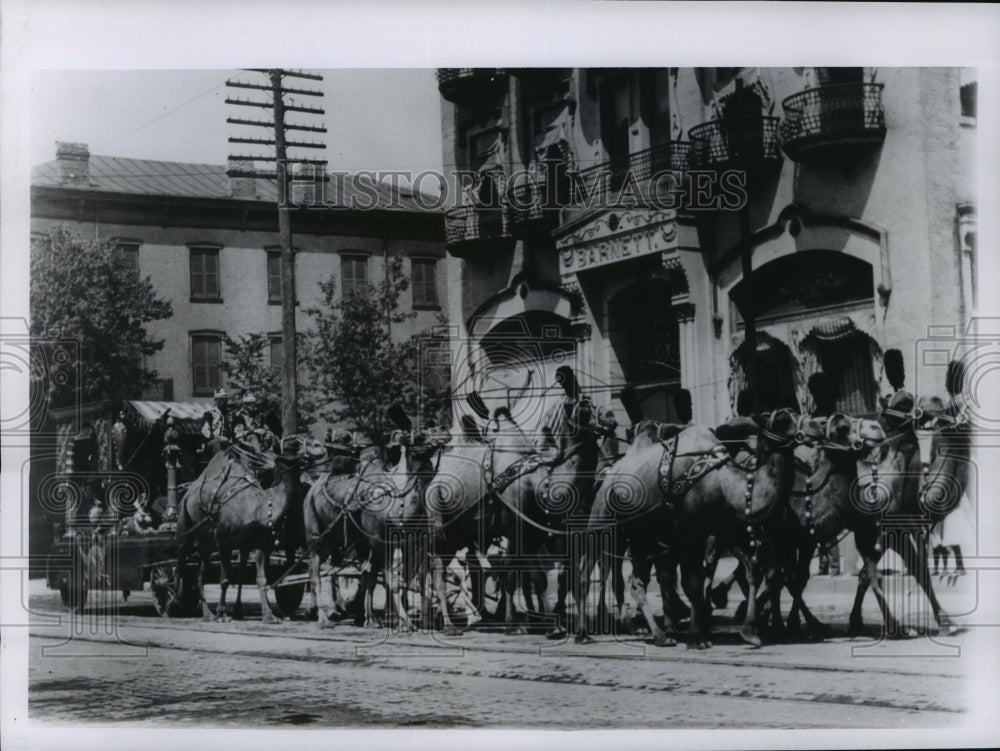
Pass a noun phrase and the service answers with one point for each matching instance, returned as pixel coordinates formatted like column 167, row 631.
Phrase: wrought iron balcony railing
column 463, row 84
column 828, row 118
column 642, row 165
column 735, row 142
column 473, row 230
column 536, row 204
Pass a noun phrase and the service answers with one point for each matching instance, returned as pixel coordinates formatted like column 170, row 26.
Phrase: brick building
column 860, row 222
column 209, row 243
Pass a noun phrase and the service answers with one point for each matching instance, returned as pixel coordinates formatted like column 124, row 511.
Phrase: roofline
column 238, row 203
column 81, row 204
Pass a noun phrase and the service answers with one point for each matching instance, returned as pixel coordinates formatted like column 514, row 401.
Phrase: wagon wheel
column 72, row 593
column 163, row 585
column 289, row 597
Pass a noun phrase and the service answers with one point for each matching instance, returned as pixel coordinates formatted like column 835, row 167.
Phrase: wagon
column 110, row 479
column 93, row 558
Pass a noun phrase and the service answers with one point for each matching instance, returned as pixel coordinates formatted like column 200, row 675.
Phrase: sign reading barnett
column 618, row 236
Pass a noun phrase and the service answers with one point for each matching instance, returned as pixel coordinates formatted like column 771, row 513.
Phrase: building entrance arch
column 818, row 315
column 645, row 343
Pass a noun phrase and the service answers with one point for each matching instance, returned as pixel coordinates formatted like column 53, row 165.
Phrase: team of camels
column 671, row 498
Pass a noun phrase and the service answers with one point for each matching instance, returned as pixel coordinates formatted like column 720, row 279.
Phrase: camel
column 462, row 504
column 712, row 498
column 229, row 509
column 358, row 509
column 821, row 504
column 538, row 503
column 910, row 498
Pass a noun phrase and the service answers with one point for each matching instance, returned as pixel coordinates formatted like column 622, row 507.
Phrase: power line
column 160, row 117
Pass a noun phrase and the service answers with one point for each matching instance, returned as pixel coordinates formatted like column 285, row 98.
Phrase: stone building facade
column 850, row 191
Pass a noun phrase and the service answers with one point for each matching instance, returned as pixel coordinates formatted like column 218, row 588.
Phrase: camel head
column 779, row 429
column 508, row 432
column 898, row 412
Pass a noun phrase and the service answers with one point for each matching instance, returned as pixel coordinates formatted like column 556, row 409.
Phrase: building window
column 274, row 276
column 276, row 350
column 967, row 94
column 127, row 254
column 205, row 275
column 424, row 283
column 206, row 356
column 354, row 270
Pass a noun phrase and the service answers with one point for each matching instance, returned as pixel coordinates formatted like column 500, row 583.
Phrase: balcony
column 826, row 120
column 642, row 165
column 461, row 85
column 472, row 231
column 740, row 142
column 532, row 208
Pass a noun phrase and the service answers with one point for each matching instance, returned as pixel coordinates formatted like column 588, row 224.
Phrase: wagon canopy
column 187, row 415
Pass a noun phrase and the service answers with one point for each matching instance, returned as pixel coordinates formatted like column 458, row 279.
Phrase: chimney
column 73, row 160
column 242, row 187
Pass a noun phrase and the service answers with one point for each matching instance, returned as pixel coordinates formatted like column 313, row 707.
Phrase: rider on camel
column 248, row 423
column 556, row 422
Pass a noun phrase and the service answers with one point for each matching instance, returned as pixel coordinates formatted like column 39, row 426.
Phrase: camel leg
column 559, row 627
column 580, row 570
column 559, row 609
column 796, row 584
column 618, row 581
column 510, row 581
column 772, row 587
column 694, row 576
column 427, row 596
column 316, row 591
column 206, row 612
column 369, row 578
column 748, row 631
column 871, row 577
column 673, row 607
column 639, row 593
column 477, row 580
column 238, row 605
column 919, row 569
column 314, row 586
column 225, row 561
column 260, row 559
column 540, row 583
column 396, row 584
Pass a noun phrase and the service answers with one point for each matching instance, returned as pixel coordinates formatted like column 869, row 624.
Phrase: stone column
column 581, row 328
column 690, row 379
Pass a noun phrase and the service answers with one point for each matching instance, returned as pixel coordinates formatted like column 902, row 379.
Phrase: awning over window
column 558, row 133
column 834, row 329
column 187, row 415
column 496, row 158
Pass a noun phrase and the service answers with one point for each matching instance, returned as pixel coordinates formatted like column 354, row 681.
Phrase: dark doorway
column 645, row 337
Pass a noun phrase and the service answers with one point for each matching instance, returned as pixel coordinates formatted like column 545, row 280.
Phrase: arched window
column 775, row 374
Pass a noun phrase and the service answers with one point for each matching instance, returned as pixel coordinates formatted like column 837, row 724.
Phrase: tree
column 354, row 362
column 248, row 369
column 80, row 291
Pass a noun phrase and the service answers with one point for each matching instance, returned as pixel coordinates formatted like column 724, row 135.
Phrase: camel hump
column 670, row 430
column 737, row 433
column 737, row 429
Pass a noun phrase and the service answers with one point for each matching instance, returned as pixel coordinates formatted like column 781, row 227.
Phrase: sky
column 376, row 119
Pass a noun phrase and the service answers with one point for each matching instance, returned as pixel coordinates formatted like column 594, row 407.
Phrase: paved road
column 138, row 668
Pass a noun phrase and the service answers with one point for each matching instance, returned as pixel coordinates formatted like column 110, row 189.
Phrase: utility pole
column 275, row 86
column 743, row 159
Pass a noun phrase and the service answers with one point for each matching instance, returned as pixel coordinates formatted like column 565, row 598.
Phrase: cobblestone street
column 187, row 672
